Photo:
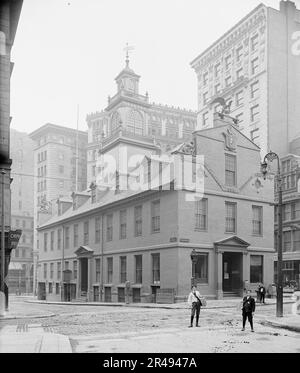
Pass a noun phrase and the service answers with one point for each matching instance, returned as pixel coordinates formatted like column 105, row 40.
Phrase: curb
column 281, row 326
column 26, row 317
column 132, row 305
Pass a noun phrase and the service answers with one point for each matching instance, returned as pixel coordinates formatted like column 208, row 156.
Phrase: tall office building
column 256, row 66
column 20, row 275
column 59, row 168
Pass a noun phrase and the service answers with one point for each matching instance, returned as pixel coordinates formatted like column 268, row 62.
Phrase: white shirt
column 192, row 297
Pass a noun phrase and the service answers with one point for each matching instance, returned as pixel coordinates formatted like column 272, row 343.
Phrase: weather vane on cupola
column 127, row 49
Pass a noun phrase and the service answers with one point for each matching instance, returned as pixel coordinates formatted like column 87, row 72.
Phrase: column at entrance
column 89, row 289
column 78, row 283
column 219, row 274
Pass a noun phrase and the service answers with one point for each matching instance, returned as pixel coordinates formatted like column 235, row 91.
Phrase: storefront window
column 256, row 268
column 201, row 268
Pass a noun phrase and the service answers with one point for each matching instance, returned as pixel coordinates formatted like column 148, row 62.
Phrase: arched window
column 115, row 121
column 134, row 122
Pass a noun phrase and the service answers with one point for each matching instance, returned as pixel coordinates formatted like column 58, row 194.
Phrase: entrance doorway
column 84, row 275
column 232, row 273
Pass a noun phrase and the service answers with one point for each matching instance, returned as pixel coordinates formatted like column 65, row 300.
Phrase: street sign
column 12, row 238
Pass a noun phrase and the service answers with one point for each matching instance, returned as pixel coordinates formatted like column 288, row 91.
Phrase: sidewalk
column 289, row 322
column 32, row 339
column 211, row 304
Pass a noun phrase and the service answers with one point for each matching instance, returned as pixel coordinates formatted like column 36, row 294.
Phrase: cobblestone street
column 134, row 329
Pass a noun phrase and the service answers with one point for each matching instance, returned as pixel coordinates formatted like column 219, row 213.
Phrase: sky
column 68, row 53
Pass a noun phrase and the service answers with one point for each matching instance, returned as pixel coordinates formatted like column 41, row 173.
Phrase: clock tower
column 128, row 80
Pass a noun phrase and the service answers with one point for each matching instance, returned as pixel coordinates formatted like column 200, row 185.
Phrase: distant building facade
column 107, row 244
column 290, row 169
column 255, row 65
column 56, row 174
column 20, row 276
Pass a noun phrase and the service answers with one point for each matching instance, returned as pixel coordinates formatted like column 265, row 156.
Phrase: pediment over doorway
column 233, row 242
column 84, row 251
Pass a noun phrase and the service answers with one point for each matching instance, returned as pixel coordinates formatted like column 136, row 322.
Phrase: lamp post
column 271, row 156
column 194, row 258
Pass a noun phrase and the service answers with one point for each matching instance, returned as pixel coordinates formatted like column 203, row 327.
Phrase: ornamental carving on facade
column 230, row 140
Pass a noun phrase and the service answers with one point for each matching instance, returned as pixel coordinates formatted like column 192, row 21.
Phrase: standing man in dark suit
column 262, row 292
column 248, row 308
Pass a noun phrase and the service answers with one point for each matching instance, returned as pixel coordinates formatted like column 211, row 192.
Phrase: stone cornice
column 246, row 25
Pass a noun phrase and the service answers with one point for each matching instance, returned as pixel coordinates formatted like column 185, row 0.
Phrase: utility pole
column 279, row 290
column 2, row 231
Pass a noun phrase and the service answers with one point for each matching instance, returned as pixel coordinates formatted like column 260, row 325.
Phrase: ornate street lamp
column 271, row 156
column 194, row 257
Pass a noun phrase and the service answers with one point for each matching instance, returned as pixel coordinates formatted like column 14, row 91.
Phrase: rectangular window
column 75, row 235
column 123, row 224
column 109, row 227
column 287, row 241
column 293, row 210
column 97, row 230
column 155, row 216
column 227, row 62
column 228, row 81
column 239, row 118
column 239, row 98
column 45, row 241
column 254, row 113
column 254, row 134
column 205, row 78
column 254, row 43
column 45, row 270
column 67, row 237
column 254, row 88
column 86, row 233
column 201, row 214
column 155, row 268
column 256, row 268
column 97, row 264
column 257, row 220
column 201, row 268
column 75, row 269
column 109, row 270
column 205, row 98
column 138, row 269
column 52, row 241
column 296, row 240
column 50, row 288
column 230, row 170
column 217, row 69
column 239, row 73
column 51, row 270
column 57, row 288
column 254, row 66
column 205, row 118
column 138, row 221
column 123, row 269
column 217, row 88
column 230, row 223
column 66, row 265
column 58, row 270
column 58, row 239
column 239, row 53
